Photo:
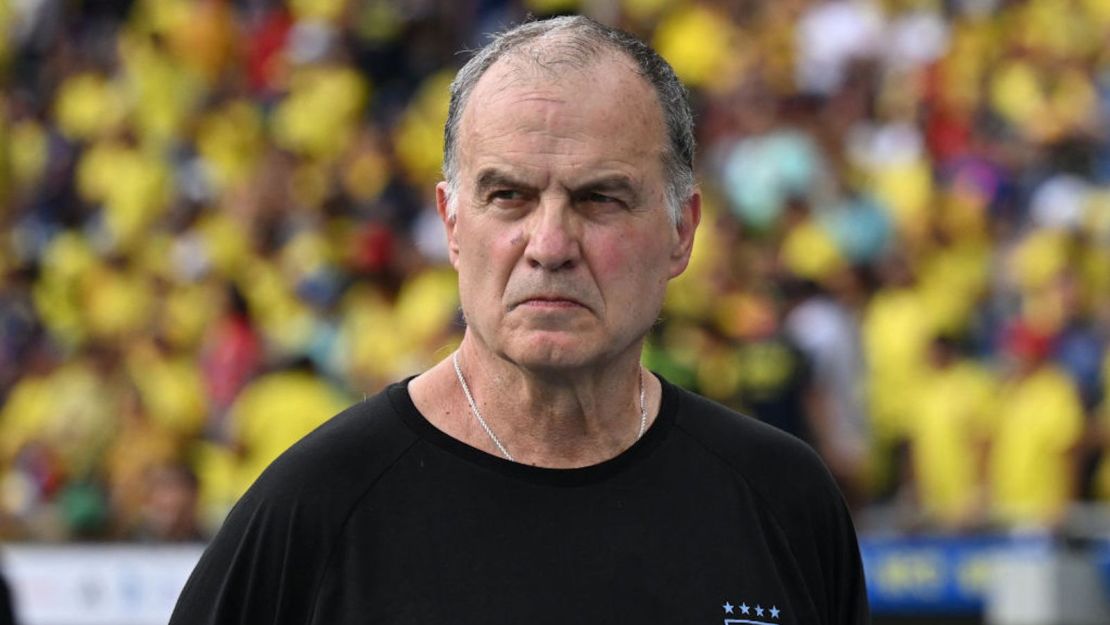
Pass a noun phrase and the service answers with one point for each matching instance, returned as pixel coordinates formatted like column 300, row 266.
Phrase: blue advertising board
column 937, row 574
column 1101, row 558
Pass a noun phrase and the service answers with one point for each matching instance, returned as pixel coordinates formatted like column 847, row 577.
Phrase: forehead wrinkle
column 553, row 127
column 514, row 148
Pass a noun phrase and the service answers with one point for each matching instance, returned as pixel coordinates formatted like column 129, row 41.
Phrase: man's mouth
column 554, row 302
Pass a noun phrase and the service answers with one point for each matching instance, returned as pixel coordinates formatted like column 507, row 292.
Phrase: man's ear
column 684, row 230
column 449, row 221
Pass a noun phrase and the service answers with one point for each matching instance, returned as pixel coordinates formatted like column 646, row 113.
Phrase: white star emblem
column 774, row 612
column 728, row 607
column 744, row 609
column 758, row 611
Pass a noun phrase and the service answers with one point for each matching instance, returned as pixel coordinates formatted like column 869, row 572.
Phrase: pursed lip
column 550, row 301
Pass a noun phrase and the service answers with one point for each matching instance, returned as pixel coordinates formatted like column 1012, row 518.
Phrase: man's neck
column 556, row 420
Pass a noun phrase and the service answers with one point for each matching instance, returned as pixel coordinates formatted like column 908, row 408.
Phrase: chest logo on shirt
column 751, row 614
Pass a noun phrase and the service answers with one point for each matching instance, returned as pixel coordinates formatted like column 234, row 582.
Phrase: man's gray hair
column 578, row 41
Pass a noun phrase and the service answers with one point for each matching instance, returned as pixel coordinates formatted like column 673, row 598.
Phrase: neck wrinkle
column 573, row 421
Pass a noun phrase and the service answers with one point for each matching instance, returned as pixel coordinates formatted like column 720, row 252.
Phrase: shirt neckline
column 402, row 402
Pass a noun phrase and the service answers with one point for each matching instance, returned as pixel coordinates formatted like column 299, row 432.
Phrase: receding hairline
column 561, row 48
column 521, row 70
column 555, row 54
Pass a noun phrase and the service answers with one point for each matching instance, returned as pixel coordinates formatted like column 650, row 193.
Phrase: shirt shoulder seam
column 342, row 527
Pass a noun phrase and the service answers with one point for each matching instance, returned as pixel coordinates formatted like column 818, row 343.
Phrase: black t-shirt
column 7, row 611
column 378, row 517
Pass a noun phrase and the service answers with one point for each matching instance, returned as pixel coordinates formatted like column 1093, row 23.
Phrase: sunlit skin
column 563, row 245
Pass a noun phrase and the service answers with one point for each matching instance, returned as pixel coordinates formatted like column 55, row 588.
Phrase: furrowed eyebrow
column 492, row 178
column 610, row 184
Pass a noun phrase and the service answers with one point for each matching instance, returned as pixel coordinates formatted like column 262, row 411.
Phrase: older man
column 540, row 474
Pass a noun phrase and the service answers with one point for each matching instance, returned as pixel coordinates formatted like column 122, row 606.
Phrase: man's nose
column 553, row 243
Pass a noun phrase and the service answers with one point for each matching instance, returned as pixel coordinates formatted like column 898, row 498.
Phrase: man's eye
column 600, row 198
column 506, row 195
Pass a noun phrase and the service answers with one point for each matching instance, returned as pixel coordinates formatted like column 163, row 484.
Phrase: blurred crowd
column 217, row 229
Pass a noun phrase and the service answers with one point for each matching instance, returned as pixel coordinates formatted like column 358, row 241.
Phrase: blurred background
column 217, row 229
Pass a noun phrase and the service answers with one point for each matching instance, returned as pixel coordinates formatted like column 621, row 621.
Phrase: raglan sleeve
column 823, row 535
column 263, row 566
column 844, row 577
column 801, row 501
column 7, row 611
column 267, row 562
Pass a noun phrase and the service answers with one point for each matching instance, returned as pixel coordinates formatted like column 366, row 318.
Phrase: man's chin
column 555, row 351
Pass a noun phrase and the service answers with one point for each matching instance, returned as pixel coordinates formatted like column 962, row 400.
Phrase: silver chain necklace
column 497, row 441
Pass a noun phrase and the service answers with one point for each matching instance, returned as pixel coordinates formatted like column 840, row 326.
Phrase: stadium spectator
column 949, row 429
column 169, row 510
column 1033, row 465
